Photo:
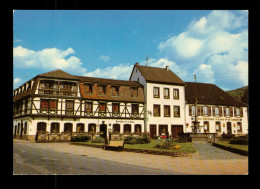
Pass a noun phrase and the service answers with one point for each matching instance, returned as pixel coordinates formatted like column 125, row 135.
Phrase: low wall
column 234, row 150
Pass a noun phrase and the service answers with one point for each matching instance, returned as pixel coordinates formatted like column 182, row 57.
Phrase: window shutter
column 213, row 110
column 220, row 111
column 224, row 107
column 241, row 112
column 190, row 109
column 235, row 111
column 209, row 109
column 199, row 110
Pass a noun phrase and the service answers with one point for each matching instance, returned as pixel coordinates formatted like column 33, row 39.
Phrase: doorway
column 229, row 130
column 176, row 129
column 21, row 133
column 103, row 128
column 152, row 130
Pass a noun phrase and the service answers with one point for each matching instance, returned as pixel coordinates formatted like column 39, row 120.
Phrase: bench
column 119, row 144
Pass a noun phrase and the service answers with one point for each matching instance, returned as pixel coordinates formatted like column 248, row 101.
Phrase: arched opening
column 80, row 127
column 116, row 128
column 41, row 127
column 68, row 128
column 55, row 127
column 127, row 128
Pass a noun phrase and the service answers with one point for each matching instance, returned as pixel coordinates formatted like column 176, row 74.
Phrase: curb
column 237, row 151
column 141, row 150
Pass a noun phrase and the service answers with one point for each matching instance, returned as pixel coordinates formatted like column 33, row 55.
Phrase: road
column 66, row 159
column 38, row 161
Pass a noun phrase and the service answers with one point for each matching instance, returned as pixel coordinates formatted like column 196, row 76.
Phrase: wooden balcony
column 62, row 92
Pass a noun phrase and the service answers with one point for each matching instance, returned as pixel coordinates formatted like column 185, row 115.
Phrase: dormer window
column 134, row 92
column 102, row 90
column 115, row 91
column 88, row 88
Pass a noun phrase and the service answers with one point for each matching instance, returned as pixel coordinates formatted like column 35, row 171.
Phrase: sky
column 211, row 44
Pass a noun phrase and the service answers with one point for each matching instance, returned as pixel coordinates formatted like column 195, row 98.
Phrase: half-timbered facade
column 59, row 102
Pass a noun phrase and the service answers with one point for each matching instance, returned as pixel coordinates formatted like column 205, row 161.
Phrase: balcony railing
column 62, row 92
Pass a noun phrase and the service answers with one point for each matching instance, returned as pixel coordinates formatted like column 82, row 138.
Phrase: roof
column 58, row 74
column 108, row 81
column 159, row 75
column 209, row 94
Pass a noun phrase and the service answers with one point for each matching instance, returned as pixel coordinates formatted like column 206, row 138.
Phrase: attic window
column 88, row 88
column 134, row 92
column 102, row 90
column 115, row 91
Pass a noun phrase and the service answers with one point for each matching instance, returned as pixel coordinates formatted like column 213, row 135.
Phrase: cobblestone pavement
column 209, row 152
column 209, row 161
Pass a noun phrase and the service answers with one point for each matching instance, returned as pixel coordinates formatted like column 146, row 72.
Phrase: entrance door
column 229, row 130
column 176, row 129
column 152, row 130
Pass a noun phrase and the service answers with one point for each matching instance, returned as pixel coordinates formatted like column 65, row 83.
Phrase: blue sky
column 107, row 43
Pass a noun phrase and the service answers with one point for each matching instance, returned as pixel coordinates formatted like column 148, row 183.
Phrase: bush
column 239, row 140
column 79, row 138
column 136, row 140
column 98, row 140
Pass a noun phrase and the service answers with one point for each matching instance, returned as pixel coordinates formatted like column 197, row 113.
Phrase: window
column 166, row 93
column 115, row 91
column 127, row 128
column 88, row 89
column 176, row 94
column 80, row 127
column 176, row 111
column 115, row 108
column 68, row 127
column 134, row 92
column 116, row 128
column 102, row 107
column 227, row 112
column 41, row 127
column 137, row 128
column 135, row 109
column 102, row 90
column 206, row 126
column 69, row 107
column 193, row 110
column 205, row 110
column 25, row 128
column 92, row 127
column 156, row 111
column 239, row 127
column 49, row 105
column 156, row 92
column 238, row 112
column 167, row 111
column 88, row 107
column 218, row 127
column 55, row 127
column 216, row 111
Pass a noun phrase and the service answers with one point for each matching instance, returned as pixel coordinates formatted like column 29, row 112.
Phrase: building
column 217, row 111
column 154, row 100
column 57, row 102
column 164, row 99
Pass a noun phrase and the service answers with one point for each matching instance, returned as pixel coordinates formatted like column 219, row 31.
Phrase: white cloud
column 121, row 71
column 104, row 58
column 218, row 40
column 47, row 59
column 17, row 82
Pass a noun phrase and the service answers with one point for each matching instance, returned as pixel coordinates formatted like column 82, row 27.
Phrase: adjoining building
column 154, row 100
column 216, row 111
column 164, row 100
column 57, row 102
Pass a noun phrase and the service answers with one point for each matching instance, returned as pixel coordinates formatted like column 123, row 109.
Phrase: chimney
column 167, row 68
column 136, row 63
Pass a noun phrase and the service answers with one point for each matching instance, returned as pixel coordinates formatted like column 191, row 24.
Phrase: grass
column 185, row 147
column 236, row 146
